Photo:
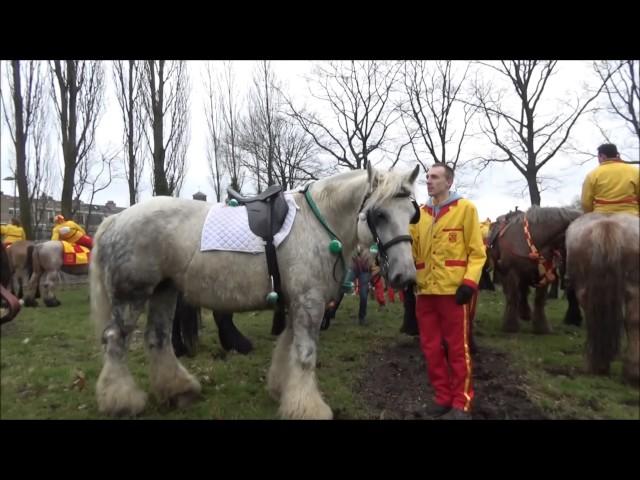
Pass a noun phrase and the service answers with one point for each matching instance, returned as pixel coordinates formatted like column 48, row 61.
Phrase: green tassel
column 335, row 246
column 272, row 298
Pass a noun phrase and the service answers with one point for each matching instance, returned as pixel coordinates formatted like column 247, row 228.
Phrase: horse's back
column 157, row 237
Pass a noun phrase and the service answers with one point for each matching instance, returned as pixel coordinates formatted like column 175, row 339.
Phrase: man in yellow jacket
column 613, row 186
column 71, row 232
column 12, row 233
column 449, row 255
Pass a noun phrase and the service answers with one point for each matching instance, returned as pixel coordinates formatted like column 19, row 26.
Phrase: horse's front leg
column 300, row 398
column 523, row 302
column 540, row 323
column 511, row 288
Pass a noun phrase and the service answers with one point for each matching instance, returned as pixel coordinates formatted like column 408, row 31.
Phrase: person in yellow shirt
column 12, row 233
column 449, row 255
column 613, row 186
column 71, row 232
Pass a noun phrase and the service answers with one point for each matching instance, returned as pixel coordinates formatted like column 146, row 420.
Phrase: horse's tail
column 34, row 269
column 29, row 264
column 100, row 302
column 604, row 295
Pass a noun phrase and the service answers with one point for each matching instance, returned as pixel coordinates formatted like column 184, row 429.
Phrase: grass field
column 50, row 360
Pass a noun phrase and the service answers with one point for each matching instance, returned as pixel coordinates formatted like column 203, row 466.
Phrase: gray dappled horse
column 603, row 252
column 143, row 255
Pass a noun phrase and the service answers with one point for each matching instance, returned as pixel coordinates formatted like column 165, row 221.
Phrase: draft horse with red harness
column 526, row 247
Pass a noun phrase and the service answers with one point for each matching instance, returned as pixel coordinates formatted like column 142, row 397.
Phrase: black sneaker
column 436, row 410
column 457, row 414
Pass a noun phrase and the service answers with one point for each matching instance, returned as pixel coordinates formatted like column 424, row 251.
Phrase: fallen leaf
column 79, row 380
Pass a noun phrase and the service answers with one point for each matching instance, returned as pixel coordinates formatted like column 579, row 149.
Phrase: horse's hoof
column 52, row 302
column 185, row 399
column 243, row 346
column 30, row 302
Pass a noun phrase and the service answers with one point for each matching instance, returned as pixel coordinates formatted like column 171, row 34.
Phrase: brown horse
column 523, row 246
column 20, row 255
column 603, row 253
column 10, row 305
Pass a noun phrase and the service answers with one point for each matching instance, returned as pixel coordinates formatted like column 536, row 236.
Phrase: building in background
column 46, row 208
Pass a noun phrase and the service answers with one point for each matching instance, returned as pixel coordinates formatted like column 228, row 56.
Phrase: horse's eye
column 380, row 215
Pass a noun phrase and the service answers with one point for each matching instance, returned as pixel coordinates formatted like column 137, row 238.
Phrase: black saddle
column 266, row 211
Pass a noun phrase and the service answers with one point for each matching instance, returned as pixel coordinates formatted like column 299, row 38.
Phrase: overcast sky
column 496, row 189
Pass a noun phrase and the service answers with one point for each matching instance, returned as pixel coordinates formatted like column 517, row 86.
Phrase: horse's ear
column 414, row 174
column 372, row 176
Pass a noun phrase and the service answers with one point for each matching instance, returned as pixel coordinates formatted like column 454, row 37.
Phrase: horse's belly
column 226, row 281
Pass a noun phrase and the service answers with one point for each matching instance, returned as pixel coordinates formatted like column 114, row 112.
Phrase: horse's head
column 386, row 213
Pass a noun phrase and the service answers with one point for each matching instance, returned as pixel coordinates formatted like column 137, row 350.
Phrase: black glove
column 464, row 294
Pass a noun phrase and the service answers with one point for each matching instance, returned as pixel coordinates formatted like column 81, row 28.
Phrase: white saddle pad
column 227, row 228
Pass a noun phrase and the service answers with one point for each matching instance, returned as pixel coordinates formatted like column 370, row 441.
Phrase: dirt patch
column 395, row 385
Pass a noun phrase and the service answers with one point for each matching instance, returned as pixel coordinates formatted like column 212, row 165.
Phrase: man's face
column 437, row 182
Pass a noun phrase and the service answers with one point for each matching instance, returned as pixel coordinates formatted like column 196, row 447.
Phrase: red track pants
column 440, row 318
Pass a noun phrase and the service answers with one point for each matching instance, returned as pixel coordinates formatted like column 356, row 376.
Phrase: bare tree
column 257, row 130
column 166, row 102
column 522, row 141
column 358, row 96
column 27, row 123
column 77, row 90
column 127, row 76
column 430, row 109
column 95, row 175
column 213, row 106
column 40, row 162
column 231, row 128
column 621, row 81
column 295, row 159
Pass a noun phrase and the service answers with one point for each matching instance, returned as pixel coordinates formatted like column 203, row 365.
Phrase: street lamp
column 15, row 183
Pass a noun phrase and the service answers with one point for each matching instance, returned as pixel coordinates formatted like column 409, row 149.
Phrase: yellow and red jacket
column 73, row 235
column 12, row 233
column 448, row 247
column 612, row 187
column 485, row 228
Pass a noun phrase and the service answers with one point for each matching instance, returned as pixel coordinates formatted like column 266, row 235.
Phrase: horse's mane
column 537, row 214
column 388, row 184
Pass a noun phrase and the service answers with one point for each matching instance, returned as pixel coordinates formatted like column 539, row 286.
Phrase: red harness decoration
column 545, row 267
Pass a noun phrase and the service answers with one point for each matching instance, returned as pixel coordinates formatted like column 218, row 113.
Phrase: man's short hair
column 609, row 150
column 448, row 171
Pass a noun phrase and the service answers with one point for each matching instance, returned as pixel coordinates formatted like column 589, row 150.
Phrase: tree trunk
column 130, row 139
column 68, row 126
column 534, row 191
column 160, row 179
column 21, row 157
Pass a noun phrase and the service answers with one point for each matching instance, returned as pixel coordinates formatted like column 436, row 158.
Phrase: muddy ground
column 395, row 385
